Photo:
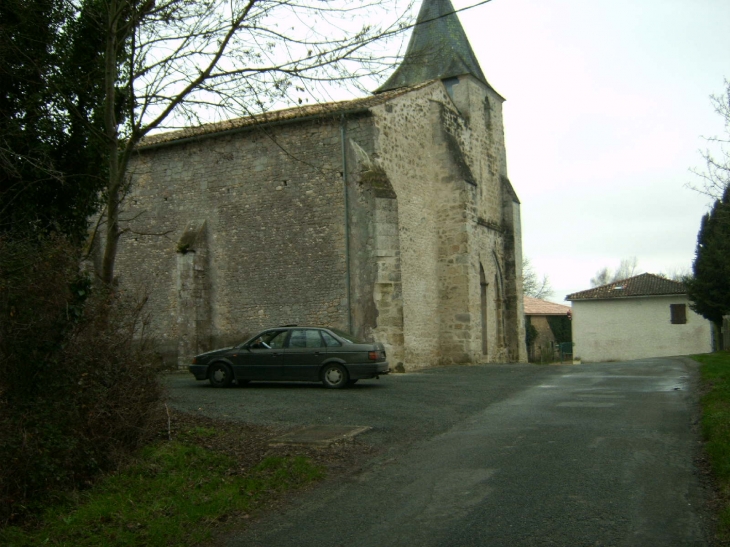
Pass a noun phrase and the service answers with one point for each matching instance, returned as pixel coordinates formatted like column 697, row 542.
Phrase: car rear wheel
column 334, row 376
column 220, row 375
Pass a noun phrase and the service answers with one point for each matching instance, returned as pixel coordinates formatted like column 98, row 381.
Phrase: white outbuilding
column 635, row 318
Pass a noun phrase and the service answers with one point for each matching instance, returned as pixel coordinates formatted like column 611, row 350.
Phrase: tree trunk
column 112, row 142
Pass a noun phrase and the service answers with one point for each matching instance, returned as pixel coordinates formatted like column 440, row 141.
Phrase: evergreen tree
column 709, row 286
column 51, row 160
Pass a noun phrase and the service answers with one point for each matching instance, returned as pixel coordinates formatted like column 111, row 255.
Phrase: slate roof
column 438, row 49
column 535, row 306
column 277, row 116
column 641, row 285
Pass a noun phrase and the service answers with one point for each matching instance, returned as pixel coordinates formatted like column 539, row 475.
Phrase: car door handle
column 316, row 352
column 274, row 354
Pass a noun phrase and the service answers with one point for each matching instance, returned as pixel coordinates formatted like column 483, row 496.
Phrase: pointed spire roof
column 438, row 49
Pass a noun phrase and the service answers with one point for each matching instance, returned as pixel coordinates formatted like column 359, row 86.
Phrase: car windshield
column 347, row 337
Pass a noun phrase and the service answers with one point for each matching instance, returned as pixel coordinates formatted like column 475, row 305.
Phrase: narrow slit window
column 679, row 313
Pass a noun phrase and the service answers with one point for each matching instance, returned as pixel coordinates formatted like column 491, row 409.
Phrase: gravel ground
column 401, row 408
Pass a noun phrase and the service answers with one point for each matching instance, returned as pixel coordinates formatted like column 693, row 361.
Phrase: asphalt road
column 493, row 455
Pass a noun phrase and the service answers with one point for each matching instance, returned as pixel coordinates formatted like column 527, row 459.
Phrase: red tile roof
column 641, row 285
column 535, row 306
column 288, row 114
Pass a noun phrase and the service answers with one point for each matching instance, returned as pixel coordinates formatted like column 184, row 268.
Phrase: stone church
column 390, row 216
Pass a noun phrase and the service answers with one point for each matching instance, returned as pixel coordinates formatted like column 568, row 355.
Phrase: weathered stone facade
column 391, row 216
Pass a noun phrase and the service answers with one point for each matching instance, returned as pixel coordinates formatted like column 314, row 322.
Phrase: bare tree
column 170, row 63
column 627, row 268
column 715, row 176
column 677, row 274
column 602, row 277
column 532, row 284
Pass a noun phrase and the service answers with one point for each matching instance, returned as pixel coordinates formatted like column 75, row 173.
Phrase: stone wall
column 404, row 149
column 377, row 296
column 193, row 289
column 454, row 223
column 272, row 202
column 544, row 343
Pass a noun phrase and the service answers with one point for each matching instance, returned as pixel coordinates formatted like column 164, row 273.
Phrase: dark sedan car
column 308, row 354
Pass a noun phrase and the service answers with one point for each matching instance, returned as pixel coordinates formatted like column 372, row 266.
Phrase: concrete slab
column 320, row 435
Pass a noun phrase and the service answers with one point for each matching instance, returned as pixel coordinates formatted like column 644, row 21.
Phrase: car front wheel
column 334, row 376
column 220, row 375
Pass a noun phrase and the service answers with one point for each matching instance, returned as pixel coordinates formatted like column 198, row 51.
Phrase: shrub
column 78, row 391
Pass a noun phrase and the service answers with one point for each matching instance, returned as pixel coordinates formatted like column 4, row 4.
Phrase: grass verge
column 715, row 373
column 176, row 492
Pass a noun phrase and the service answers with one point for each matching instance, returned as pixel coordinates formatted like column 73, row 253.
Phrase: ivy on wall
column 561, row 327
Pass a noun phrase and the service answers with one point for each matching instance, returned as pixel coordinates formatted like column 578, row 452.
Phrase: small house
column 547, row 325
column 640, row 317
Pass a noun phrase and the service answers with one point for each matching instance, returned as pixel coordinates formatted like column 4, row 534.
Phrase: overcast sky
column 607, row 103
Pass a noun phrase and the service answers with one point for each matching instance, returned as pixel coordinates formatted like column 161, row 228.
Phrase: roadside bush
column 78, row 391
